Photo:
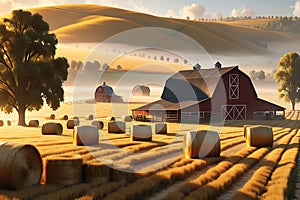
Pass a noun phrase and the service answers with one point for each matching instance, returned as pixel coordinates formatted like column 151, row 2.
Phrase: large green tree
column 288, row 76
column 29, row 72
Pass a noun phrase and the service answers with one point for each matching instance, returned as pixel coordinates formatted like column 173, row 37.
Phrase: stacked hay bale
column 20, row 166
column 85, row 135
column 126, row 118
column 141, row 133
column 63, row 117
column 200, row 144
column 97, row 171
column 159, row 128
column 122, row 172
column 259, row 136
column 72, row 123
column 34, row 123
column 52, row 129
column 50, row 116
column 89, row 117
column 62, row 170
column 116, row 127
column 98, row 124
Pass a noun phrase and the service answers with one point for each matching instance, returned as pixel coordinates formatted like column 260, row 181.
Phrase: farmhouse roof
column 162, row 105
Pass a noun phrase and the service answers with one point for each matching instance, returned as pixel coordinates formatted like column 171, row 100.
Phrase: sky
column 194, row 9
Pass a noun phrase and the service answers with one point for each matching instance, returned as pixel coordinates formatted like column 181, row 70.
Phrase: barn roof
column 107, row 90
column 206, row 80
column 163, row 105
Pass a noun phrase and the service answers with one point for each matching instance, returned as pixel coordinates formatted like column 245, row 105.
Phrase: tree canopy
column 288, row 76
column 29, row 71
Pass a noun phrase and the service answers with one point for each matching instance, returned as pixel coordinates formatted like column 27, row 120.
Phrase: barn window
column 201, row 115
column 234, row 90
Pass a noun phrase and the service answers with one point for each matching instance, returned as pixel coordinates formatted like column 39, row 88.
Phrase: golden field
column 84, row 23
column 241, row 172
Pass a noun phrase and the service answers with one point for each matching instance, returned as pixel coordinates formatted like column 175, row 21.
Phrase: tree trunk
column 21, row 113
column 293, row 105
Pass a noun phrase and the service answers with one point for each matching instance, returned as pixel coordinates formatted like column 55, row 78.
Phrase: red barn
column 105, row 93
column 204, row 94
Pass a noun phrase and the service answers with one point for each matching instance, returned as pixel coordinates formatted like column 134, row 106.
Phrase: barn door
column 234, row 112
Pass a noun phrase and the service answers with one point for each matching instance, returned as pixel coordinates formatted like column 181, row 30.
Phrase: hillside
column 93, row 24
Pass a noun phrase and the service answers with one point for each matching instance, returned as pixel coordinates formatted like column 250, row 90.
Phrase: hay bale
column 159, row 128
column 72, row 123
column 75, row 118
column 63, row 117
column 50, row 116
column 127, row 118
column 97, row 171
column 8, row 122
column 141, row 133
column 34, row 123
column 85, row 135
column 122, row 172
column 98, row 124
column 89, row 117
column 200, row 144
column 111, row 119
column 20, row 166
column 63, row 170
column 1, row 123
column 116, row 127
column 52, row 129
column 259, row 136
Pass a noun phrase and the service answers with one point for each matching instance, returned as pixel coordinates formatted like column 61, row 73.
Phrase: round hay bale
column 52, row 129
column 116, row 127
column 259, row 136
column 159, row 128
column 98, row 124
column 20, row 166
column 85, row 135
column 97, row 171
column 200, row 144
column 126, row 118
column 63, row 117
column 8, row 122
column 72, row 123
column 50, row 116
column 63, row 170
column 1, row 123
column 121, row 172
column 89, row 117
column 141, row 133
column 111, row 119
column 75, row 118
column 34, row 123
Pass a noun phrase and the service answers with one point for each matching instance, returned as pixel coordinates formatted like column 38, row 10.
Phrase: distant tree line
column 91, row 66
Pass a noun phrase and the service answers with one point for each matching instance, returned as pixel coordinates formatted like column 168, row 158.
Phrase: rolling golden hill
column 86, row 23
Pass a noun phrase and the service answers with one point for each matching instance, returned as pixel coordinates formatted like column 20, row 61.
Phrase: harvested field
column 240, row 172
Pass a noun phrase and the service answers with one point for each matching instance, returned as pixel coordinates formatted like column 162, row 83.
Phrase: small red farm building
column 105, row 93
column 204, row 94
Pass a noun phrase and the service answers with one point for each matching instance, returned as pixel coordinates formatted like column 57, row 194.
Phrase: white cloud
column 194, row 11
column 244, row 12
column 5, row 7
column 297, row 9
column 217, row 15
column 170, row 13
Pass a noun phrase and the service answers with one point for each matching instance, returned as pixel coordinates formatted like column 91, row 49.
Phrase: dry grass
column 172, row 167
column 257, row 184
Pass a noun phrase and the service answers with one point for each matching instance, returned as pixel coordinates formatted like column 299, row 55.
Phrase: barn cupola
column 197, row 67
column 218, row 65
